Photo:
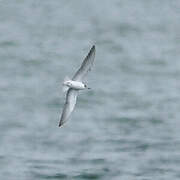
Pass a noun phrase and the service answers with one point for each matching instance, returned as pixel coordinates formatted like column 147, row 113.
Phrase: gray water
column 127, row 127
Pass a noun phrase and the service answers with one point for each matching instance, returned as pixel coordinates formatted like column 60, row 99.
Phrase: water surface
column 127, row 126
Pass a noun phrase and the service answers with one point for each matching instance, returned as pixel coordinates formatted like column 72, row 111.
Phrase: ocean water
column 127, row 127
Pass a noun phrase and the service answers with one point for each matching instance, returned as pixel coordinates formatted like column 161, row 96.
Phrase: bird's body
column 73, row 86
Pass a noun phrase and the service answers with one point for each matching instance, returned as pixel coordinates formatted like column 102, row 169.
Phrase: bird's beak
column 89, row 88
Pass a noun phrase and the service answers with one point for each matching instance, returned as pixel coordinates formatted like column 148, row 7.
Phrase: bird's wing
column 71, row 97
column 86, row 65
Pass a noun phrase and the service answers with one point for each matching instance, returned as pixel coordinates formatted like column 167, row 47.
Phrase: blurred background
column 127, row 126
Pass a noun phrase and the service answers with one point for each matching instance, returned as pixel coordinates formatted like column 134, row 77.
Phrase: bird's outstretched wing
column 86, row 65
column 71, row 97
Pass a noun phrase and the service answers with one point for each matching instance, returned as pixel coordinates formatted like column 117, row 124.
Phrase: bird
column 74, row 85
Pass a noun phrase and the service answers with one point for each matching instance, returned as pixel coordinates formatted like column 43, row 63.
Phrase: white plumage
column 73, row 86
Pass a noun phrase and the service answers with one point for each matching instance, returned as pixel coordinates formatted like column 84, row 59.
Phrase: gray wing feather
column 86, row 65
column 70, row 103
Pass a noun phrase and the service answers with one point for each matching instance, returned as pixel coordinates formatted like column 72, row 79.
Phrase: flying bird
column 72, row 86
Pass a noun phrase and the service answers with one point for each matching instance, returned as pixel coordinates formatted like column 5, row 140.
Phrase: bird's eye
column 85, row 85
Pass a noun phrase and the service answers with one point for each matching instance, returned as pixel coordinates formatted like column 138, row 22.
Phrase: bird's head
column 86, row 86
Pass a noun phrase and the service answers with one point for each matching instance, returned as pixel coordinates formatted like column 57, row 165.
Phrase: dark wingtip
column 93, row 47
column 60, row 124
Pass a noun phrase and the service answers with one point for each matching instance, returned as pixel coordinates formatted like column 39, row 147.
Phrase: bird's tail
column 65, row 87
